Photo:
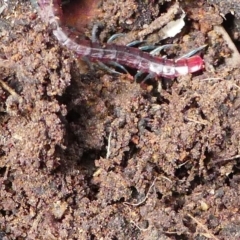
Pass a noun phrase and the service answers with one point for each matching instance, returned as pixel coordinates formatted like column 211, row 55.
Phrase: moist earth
column 90, row 154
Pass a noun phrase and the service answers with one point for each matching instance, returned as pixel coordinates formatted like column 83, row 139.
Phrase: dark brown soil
column 88, row 154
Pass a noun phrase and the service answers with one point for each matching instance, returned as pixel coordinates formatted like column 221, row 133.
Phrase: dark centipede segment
column 51, row 12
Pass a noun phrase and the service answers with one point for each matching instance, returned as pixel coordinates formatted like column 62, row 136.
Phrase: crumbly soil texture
column 89, row 154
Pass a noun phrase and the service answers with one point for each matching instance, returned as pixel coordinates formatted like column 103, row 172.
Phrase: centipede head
column 195, row 64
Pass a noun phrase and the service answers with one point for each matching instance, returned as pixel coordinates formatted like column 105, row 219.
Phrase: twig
column 10, row 90
column 109, row 146
column 139, row 228
column 163, row 177
column 161, row 21
column 236, row 85
column 4, row 6
column 195, row 121
column 202, row 226
column 180, row 165
column 226, row 159
column 155, row 25
column 210, row 79
column 144, row 199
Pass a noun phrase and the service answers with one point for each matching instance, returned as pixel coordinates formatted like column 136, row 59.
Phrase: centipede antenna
column 157, row 50
column 191, row 53
column 115, row 36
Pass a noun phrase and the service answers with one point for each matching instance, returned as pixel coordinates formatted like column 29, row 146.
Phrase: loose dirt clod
column 86, row 154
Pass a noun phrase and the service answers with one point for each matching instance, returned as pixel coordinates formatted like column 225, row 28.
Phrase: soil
column 89, row 154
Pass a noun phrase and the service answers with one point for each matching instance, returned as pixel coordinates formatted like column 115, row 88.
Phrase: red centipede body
column 51, row 12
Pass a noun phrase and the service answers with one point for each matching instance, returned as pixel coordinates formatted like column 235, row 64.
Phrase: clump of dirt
column 227, row 6
column 87, row 154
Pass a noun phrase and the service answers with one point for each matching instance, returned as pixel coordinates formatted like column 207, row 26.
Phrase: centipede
column 51, row 13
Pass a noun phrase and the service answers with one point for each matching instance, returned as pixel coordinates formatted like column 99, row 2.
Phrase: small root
column 201, row 225
column 109, row 146
column 10, row 90
column 226, row 159
column 144, row 199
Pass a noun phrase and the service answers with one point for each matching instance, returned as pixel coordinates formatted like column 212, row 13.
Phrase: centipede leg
column 88, row 62
column 147, row 47
column 149, row 76
column 115, row 64
column 137, row 75
column 65, row 2
column 157, row 50
column 115, row 36
column 108, row 69
column 94, row 38
column 154, row 51
column 95, row 31
column 135, row 43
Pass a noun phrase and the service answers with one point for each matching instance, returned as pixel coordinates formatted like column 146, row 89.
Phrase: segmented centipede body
column 51, row 12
